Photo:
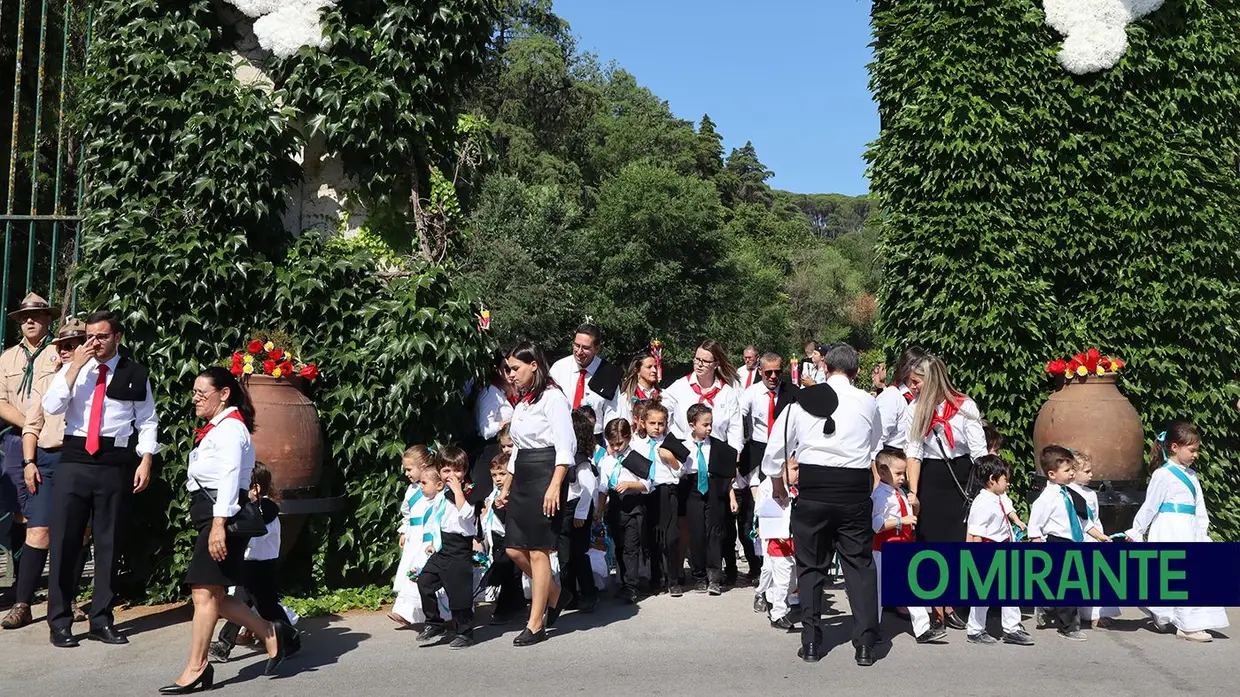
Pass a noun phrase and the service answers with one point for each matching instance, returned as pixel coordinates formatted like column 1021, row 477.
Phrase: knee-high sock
column 29, row 573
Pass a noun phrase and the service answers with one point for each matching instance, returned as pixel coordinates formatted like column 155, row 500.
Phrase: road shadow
column 323, row 642
column 167, row 617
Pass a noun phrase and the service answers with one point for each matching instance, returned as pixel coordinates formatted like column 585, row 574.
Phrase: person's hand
column 84, row 352
column 430, row 549
column 477, row 546
column 778, row 491
column 33, row 479
column 551, row 501
column 1037, row 539
column 216, row 545
column 734, row 505
column 502, row 499
column 1022, row 526
column 908, row 520
column 807, row 381
column 142, row 476
column 578, row 523
column 402, row 541
column 878, row 377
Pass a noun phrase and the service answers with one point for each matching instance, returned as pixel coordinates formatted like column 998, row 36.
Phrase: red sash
column 707, row 397
column 902, row 534
column 200, row 433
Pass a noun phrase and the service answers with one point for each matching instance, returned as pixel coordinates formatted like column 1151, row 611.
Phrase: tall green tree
column 709, row 149
column 744, row 178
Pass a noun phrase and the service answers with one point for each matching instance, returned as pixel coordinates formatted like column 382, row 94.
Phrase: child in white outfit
column 893, row 521
column 407, row 610
column 989, row 521
column 777, row 580
column 1091, row 616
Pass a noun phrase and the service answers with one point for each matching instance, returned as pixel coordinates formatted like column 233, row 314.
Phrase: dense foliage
column 1031, row 213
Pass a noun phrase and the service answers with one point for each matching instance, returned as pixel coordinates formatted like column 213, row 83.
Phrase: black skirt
column 943, row 509
column 203, row 570
column 526, row 525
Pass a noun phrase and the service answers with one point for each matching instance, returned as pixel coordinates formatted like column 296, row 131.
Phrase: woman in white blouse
column 945, row 436
column 640, row 383
column 218, row 477
column 494, row 405
column 544, row 447
column 897, row 398
column 710, row 383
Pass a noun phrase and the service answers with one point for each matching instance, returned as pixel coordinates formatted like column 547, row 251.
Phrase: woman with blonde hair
column 945, row 435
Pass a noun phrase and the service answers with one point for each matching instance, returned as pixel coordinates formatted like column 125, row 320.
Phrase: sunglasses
column 69, row 345
column 771, row 373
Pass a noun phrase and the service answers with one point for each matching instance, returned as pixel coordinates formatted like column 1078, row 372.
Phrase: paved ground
column 691, row 645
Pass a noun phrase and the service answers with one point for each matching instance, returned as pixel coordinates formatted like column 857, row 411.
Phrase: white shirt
column 892, row 403
column 491, row 411
column 566, row 373
column 546, row 423
column 743, row 377
column 755, row 406
column 1049, row 515
column 967, row 433
column 265, row 547
column 689, row 467
column 660, row 472
column 609, row 465
column 818, row 375
column 447, row 518
column 852, row 445
column 624, row 405
column 491, row 522
column 988, row 517
column 725, row 409
column 885, row 505
column 118, row 417
column 582, row 490
column 223, row 460
column 1165, row 487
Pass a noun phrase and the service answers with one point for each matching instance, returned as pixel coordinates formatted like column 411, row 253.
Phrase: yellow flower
column 1101, row 370
column 247, row 368
column 268, row 346
column 275, row 372
column 248, row 359
column 1082, row 371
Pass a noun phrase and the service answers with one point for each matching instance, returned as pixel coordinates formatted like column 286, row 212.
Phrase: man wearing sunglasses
column 761, row 404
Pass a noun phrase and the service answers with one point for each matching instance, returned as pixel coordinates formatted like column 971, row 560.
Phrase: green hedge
column 1029, row 213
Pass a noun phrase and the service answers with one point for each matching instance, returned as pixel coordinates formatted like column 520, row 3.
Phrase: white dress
column 413, row 510
column 1167, row 488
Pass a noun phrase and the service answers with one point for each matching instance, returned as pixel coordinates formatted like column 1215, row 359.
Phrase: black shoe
column 431, row 631
column 463, row 640
column 865, row 655
column 675, row 591
column 553, row 613
column 64, row 639
column 587, row 606
column 932, row 636
column 528, row 638
column 701, row 586
column 282, row 639
column 627, row 596
column 729, row 577
column 1018, row 638
column 713, row 588
column 810, row 653
column 784, row 624
column 954, row 622
column 294, row 643
column 205, row 681
column 218, row 652
column 108, row 635
column 760, row 605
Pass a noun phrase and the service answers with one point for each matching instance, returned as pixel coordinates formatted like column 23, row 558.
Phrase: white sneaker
column 1200, row 637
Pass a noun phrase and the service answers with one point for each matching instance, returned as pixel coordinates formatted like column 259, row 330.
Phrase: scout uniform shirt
column 15, row 388
column 50, row 428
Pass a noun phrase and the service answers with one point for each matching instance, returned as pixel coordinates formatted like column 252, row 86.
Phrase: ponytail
column 1179, row 433
column 221, row 378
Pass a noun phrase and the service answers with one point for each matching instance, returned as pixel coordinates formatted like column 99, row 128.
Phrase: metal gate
column 43, row 50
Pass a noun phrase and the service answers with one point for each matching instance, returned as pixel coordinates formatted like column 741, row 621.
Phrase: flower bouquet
column 263, row 356
column 1084, row 364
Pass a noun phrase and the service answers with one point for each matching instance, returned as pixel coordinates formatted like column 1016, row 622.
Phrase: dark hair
column 907, row 361
column 583, row 429
column 655, row 404
column 695, row 412
column 221, row 378
column 1178, row 433
column 496, row 376
column 723, row 367
column 617, row 429
column 990, row 467
column 887, row 457
column 639, row 409
column 261, row 478
column 1054, row 457
column 112, row 318
column 451, row 457
column 592, row 331
column 994, row 439
column 842, row 358
column 530, row 352
column 499, row 462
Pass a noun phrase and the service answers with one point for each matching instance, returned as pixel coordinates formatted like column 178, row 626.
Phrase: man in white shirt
column 110, row 421
column 747, row 373
column 587, row 379
column 834, row 432
column 761, row 404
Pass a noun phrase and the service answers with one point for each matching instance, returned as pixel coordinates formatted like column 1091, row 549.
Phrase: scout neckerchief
column 27, row 385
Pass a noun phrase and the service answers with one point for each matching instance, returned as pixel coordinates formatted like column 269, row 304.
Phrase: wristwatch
column 28, row 461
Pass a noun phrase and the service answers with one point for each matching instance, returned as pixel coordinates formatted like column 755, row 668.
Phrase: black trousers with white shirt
column 706, row 515
column 626, row 515
column 831, row 516
column 573, row 550
column 1068, row 618
column 87, row 485
column 664, row 508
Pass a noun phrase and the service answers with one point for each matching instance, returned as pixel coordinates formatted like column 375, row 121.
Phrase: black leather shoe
column 953, row 621
column 865, row 656
column 784, row 624
column 282, row 639
column 204, row 682
column 108, row 635
column 64, row 639
column 587, row 606
column 810, row 653
column 528, row 638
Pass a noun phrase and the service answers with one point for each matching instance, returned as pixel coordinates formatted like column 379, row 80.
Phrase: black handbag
column 247, row 522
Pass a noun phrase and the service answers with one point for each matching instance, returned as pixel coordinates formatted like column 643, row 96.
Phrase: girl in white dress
column 407, row 610
column 1175, row 511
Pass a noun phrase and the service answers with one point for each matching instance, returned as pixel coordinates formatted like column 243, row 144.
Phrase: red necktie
column 96, row 411
column 749, row 380
column 581, row 388
column 770, row 414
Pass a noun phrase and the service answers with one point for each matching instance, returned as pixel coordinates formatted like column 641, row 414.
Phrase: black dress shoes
column 204, row 682
column 865, row 655
column 784, row 624
column 528, row 638
column 810, row 653
column 553, row 612
column 953, row 621
column 107, row 634
column 64, row 639
column 282, row 639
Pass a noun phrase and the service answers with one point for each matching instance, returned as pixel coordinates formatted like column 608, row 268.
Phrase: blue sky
column 789, row 75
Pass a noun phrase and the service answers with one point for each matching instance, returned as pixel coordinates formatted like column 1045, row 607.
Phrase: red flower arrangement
column 1089, row 363
column 265, row 358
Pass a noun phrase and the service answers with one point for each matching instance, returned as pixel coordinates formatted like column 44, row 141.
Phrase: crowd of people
column 584, row 477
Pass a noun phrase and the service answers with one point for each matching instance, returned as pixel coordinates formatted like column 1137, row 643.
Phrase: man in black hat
column 834, row 431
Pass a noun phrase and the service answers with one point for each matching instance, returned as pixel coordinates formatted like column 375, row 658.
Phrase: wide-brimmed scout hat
column 33, row 303
column 73, row 329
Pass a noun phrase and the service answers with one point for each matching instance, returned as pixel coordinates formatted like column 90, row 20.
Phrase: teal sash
column 1180, row 475
column 1078, row 535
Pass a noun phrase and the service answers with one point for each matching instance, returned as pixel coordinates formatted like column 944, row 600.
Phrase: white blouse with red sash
column 723, row 400
column 223, row 460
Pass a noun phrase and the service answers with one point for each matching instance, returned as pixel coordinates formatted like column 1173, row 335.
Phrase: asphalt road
column 692, row 645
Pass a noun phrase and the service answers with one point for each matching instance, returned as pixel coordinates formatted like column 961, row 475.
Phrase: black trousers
column 831, row 515
column 664, row 509
column 740, row 525
column 452, row 569
column 626, row 519
column 1069, row 617
column 86, row 485
column 573, row 549
column 260, row 591
column 706, row 514
column 505, row 574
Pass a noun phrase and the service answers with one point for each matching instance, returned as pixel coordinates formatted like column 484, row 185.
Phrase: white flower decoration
column 1094, row 31
column 284, row 26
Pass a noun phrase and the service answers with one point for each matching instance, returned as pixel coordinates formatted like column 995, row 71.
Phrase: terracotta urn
column 1090, row 414
column 288, row 440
